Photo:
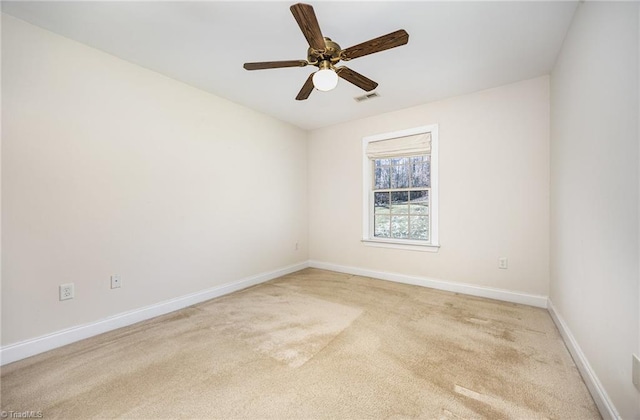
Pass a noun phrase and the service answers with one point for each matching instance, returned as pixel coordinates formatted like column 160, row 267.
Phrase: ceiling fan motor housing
column 331, row 53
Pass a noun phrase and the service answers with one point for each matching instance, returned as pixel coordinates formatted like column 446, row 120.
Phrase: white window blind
column 419, row 144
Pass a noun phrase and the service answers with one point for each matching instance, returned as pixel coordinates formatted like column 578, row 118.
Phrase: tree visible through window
column 401, row 197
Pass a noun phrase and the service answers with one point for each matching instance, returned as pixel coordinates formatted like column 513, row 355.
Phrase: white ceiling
column 454, row 47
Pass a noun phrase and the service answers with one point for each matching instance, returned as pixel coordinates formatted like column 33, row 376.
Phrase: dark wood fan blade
column 274, row 64
column 357, row 79
column 306, row 18
column 384, row 42
column 306, row 90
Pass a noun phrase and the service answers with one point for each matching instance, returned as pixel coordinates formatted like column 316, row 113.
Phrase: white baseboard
column 31, row 347
column 600, row 396
column 467, row 289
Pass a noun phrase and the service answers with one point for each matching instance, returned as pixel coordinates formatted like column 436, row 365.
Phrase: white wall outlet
column 297, row 246
column 66, row 291
column 503, row 263
column 116, row 281
column 635, row 371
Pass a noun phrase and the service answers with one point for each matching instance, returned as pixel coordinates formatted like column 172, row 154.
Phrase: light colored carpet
column 314, row 344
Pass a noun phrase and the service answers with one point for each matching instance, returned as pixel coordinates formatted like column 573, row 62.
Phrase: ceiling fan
column 325, row 54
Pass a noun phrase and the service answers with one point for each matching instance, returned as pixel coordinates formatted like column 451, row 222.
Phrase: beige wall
column 494, row 184
column 594, row 192
column 110, row 168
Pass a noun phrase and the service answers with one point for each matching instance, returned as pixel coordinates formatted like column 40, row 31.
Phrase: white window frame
column 368, row 237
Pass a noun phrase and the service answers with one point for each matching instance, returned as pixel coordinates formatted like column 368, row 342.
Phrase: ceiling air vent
column 367, row 96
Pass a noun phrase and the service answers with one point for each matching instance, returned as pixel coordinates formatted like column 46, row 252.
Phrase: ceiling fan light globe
column 325, row 80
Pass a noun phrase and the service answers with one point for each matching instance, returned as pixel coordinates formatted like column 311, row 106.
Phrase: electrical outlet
column 503, row 263
column 297, row 246
column 66, row 291
column 116, row 281
column 635, row 371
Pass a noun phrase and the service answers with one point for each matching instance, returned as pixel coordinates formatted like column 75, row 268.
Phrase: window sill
column 408, row 245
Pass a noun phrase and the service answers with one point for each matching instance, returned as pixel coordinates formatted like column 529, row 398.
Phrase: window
column 400, row 189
